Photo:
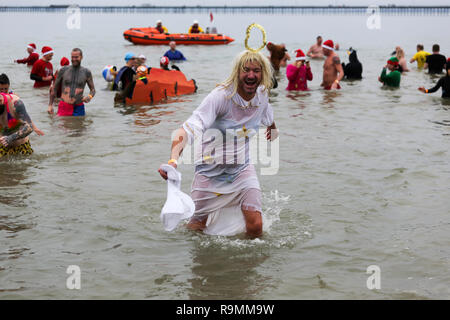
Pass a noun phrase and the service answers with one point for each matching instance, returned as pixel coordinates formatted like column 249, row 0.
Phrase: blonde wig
column 241, row 61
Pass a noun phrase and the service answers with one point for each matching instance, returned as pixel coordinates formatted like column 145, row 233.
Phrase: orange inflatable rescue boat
column 151, row 36
column 158, row 85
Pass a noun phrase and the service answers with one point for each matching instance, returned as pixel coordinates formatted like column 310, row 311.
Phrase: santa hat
column 328, row 45
column 299, row 55
column 46, row 50
column 64, row 62
column 164, row 61
column 32, row 46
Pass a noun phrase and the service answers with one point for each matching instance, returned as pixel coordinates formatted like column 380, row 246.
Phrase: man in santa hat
column 332, row 68
column 42, row 72
column 32, row 57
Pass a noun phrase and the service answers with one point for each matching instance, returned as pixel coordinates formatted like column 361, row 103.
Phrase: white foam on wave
column 278, row 232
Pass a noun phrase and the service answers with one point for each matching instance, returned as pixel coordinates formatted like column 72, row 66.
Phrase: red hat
column 64, row 62
column 164, row 61
column 32, row 46
column 46, row 50
column 328, row 45
column 393, row 61
column 299, row 55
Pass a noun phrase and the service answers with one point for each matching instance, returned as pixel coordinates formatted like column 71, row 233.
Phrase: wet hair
column 420, row 46
column 318, row 37
column 239, row 63
column 79, row 50
column 436, row 48
column 4, row 79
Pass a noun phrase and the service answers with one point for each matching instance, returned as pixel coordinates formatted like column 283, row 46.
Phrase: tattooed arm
column 339, row 69
column 54, row 89
column 24, row 130
column 90, row 83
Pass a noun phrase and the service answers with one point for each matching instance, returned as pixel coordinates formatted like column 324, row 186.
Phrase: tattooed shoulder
column 336, row 60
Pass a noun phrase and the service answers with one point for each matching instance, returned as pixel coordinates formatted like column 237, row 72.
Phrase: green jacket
column 392, row 79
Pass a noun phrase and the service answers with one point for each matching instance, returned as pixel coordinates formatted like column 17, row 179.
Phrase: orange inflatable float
column 151, row 36
column 160, row 84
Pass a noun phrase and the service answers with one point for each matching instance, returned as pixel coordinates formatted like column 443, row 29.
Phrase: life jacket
column 194, row 29
column 160, row 29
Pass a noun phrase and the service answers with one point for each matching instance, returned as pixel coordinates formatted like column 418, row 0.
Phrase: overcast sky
column 223, row 2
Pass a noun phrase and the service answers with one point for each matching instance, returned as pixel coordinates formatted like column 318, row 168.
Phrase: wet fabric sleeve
column 437, row 86
column 309, row 75
column 35, row 77
column 35, row 71
column 267, row 118
column 25, row 60
column 203, row 117
column 292, row 72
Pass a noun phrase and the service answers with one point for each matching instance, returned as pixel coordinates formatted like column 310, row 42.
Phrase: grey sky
column 227, row 2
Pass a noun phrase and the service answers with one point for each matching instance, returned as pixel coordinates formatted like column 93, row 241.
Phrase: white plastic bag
column 179, row 205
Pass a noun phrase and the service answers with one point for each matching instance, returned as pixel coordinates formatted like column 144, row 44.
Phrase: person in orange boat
column 160, row 27
column 33, row 56
column 164, row 64
column 195, row 28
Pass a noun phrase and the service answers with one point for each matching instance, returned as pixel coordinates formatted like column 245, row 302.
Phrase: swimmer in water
column 392, row 79
column 316, row 50
column 32, row 56
column 5, row 88
column 15, row 126
column 332, row 67
column 443, row 83
column 420, row 56
column 72, row 80
column 241, row 105
column 42, row 71
column 299, row 73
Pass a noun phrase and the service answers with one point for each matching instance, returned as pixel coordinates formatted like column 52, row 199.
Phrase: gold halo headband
column 249, row 28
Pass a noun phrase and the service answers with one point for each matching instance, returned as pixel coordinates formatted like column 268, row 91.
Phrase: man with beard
column 72, row 80
column 332, row 68
column 232, row 113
